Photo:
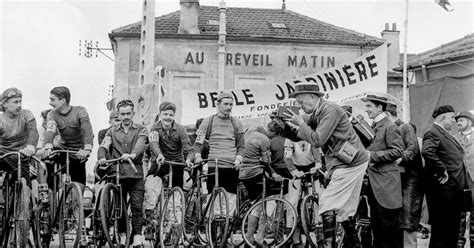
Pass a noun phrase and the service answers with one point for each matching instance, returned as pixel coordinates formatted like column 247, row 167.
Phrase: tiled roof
column 254, row 24
column 460, row 48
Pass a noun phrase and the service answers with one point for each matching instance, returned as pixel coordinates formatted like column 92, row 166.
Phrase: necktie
column 374, row 124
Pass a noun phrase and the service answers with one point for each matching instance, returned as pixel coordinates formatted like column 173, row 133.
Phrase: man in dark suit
column 446, row 177
column 411, row 171
column 385, row 191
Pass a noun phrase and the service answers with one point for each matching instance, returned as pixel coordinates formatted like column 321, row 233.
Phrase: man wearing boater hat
column 446, row 178
column 464, row 136
column 385, row 189
column 329, row 128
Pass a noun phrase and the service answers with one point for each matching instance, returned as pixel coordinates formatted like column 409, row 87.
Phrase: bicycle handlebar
column 218, row 160
column 110, row 162
column 19, row 154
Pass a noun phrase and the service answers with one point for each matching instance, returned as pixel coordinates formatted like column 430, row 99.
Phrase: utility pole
column 221, row 43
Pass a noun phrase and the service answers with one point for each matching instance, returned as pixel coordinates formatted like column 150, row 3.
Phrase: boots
column 329, row 229
column 351, row 239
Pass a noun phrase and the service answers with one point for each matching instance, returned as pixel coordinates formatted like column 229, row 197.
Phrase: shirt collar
column 380, row 117
column 440, row 126
column 133, row 126
column 316, row 107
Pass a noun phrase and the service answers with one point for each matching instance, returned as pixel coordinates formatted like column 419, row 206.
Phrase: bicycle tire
column 111, row 212
column 20, row 227
column 6, row 212
column 74, row 193
column 217, row 226
column 235, row 231
column 32, row 222
column 97, row 230
column 178, row 212
column 279, row 223
column 309, row 213
column 193, row 222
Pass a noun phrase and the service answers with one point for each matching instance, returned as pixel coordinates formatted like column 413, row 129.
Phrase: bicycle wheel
column 218, row 217
column 71, row 216
column 20, row 218
column 113, row 215
column 194, row 231
column 172, row 218
column 6, row 211
column 98, row 233
column 310, row 221
column 276, row 226
column 236, row 237
column 32, row 233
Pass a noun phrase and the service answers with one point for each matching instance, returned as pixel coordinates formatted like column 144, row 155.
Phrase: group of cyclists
column 285, row 150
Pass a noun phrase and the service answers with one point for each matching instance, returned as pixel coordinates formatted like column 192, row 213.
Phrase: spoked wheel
column 6, row 212
column 71, row 216
column 194, row 231
column 218, row 218
column 98, row 232
column 113, row 215
column 310, row 221
column 236, row 237
column 275, row 227
column 20, row 222
column 172, row 218
column 32, row 233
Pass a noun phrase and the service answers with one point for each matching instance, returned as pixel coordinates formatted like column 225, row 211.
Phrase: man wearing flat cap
column 384, row 191
column 18, row 133
column 225, row 135
column 329, row 128
column 446, row 178
column 464, row 136
column 411, row 171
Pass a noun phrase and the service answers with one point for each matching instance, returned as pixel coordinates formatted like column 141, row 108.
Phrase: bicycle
column 15, row 228
column 110, row 210
column 64, row 214
column 215, row 220
column 275, row 213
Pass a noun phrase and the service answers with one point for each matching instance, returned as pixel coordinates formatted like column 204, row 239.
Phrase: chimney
column 392, row 37
column 188, row 23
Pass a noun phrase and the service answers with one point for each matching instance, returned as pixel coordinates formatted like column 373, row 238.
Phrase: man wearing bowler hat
column 329, row 128
column 446, row 178
column 464, row 136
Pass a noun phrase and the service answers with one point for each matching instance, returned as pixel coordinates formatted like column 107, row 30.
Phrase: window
column 278, row 25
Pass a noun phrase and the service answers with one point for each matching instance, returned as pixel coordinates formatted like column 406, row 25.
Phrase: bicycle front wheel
column 218, row 217
column 172, row 218
column 71, row 216
column 114, row 217
column 277, row 220
column 19, row 236
column 310, row 221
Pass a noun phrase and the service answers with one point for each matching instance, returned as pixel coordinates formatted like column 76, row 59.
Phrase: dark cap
column 273, row 126
column 223, row 95
column 391, row 108
column 464, row 114
column 442, row 110
column 306, row 89
column 375, row 98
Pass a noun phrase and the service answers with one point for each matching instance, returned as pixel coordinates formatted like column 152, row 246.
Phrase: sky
column 40, row 39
